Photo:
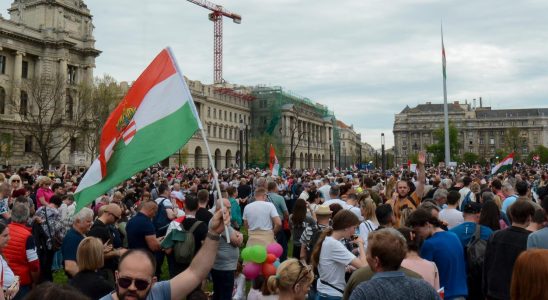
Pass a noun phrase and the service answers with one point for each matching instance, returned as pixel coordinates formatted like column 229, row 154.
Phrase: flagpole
column 201, row 128
column 445, row 108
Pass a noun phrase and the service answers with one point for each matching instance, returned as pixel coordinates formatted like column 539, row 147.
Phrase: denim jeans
column 282, row 240
column 322, row 296
column 223, row 284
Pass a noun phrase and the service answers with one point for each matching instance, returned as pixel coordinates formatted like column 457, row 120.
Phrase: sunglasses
column 16, row 180
column 140, row 284
column 303, row 272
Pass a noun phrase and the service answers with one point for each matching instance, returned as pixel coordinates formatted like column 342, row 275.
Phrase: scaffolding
column 269, row 104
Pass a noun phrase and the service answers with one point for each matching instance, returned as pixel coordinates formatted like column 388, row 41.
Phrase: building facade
column 224, row 110
column 350, row 146
column 481, row 130
column 41, row 38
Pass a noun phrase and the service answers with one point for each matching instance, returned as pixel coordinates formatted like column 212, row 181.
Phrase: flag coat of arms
column 154, row 120
column 273, row 162
column 504, row 165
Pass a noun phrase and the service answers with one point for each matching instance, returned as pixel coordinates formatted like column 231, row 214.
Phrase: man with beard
column 403, row 198
column 135, row 275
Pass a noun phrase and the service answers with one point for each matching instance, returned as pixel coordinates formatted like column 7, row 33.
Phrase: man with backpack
column 184, row 238
column 473, row 237
column 166, row 213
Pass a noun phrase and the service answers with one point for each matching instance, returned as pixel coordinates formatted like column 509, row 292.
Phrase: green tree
column 438, row 148
column 5, row 146
column 470, row 158
column 259, row 150
column 105, row 95
column 542, row 152
column 513, row 142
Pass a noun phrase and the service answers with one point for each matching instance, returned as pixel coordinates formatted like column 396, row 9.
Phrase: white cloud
column 366, row 60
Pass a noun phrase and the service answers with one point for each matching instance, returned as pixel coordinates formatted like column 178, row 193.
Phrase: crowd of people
column 354, row 234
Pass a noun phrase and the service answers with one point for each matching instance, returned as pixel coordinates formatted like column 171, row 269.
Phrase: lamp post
column 242, row 127
column 382, row 153
column 246, row 145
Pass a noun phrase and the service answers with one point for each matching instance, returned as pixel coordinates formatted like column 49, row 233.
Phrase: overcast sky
column 366, row 60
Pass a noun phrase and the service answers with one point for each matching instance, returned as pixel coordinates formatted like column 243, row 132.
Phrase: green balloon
column 246, row 254
column 258, row 254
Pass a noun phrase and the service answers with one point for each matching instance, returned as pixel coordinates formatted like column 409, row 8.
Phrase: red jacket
column 16, row 254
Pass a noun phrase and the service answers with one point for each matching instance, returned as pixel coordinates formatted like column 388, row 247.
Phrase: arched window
column 23, row 108
column 2, row 101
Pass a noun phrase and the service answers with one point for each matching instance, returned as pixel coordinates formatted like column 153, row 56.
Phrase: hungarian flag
column 273, row 162
column 504, row 165
column 154, row 120
column 443, row 56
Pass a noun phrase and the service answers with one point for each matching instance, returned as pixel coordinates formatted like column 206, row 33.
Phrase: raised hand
column 422, row 157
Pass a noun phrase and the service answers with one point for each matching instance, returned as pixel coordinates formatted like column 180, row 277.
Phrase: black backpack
column 161, row 221
column 40, row 239
column 475, row 252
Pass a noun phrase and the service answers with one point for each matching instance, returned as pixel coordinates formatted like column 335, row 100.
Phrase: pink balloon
column 275, row 249
column 252, row 270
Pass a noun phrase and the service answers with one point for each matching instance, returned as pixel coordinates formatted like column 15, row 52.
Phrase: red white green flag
column 273, row 162
column 504, row 165
column 154, row 120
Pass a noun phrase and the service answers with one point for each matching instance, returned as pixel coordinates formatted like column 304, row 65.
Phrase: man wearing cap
column 465, row 232
column 323, row 216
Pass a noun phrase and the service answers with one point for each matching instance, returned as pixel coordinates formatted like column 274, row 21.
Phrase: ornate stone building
column 350, row 145
column 221, row 109
column 41, row 38
column 480, row 129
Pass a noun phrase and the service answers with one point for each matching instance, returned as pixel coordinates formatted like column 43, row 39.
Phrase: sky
column 365, row 60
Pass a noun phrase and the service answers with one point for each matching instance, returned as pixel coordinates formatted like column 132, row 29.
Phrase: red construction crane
column 217, row 14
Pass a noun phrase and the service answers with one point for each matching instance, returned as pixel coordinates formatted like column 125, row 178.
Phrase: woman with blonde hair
column 529, row 275
column 292, row 280
column 90, row 258
column 367, row 208
column 17, row 187
column 44, row 192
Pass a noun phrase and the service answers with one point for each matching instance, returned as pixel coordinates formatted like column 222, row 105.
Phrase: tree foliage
column 53, row 114
column 470, row 158
column 542, row 152
column 106, row 95
column 438, row 148
column 259, row 150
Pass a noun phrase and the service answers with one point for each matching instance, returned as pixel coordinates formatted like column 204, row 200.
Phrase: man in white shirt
column 261, row 220
column 465, row 191
column 324, row 189
column 451, row 215
column 334, row 194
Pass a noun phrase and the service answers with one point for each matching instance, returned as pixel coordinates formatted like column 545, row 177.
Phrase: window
column 69, row 108
column 225, row 115
column 25, row 69
column 220, row 115
column 28, row 143
column 209, row 112
column 491, row 141
column 214, row 113
column 226, row 133
column 71, row 74
column 208, row 130
column 481, row 141
column 2, row 64
column 230, row 119
column 2, row 101
column 214, row 131
column 23, row 107
column 72, row 145
column 230, row 134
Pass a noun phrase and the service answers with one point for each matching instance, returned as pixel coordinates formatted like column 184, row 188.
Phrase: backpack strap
column 194, row 226
column 331, row 286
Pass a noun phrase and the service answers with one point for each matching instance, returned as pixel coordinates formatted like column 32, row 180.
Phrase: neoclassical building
column 222, row 108
column 42, row 38
column 480, row 129
column 350, row 145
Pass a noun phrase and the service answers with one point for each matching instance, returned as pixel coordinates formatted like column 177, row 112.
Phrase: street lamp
column 382, row 152
column 246, row 144
column 242, row 128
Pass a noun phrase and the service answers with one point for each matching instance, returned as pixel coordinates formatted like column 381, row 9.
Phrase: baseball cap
column 472, row 208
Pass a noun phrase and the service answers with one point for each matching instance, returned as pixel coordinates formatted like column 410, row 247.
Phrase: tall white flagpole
column 215, row 175
column 445, row 108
